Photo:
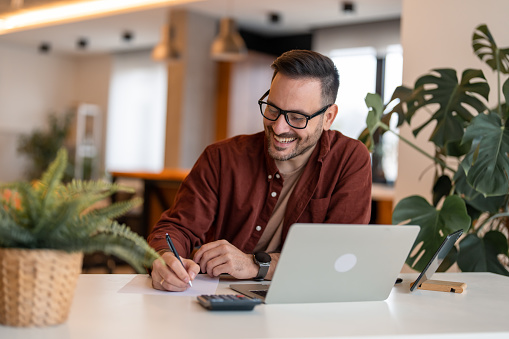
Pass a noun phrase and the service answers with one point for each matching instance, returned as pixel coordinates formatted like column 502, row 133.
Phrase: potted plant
column 41, row 145
column 45, row 227
column 471, row 139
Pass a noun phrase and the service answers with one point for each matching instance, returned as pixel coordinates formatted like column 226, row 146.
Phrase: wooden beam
column 222, row 99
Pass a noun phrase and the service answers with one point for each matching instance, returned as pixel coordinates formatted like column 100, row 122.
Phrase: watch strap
column 263, row 268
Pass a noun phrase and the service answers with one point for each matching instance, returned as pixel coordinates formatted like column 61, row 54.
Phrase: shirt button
column 270, row 176
column 273, row 194
column 278, row 176
column 258, row 228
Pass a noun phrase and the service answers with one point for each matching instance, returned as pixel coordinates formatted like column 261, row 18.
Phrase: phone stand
column 442, row 286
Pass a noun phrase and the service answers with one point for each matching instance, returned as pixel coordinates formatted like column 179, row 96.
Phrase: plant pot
column 37, row 286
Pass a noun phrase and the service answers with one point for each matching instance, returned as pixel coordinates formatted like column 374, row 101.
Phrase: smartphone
column 437, row 259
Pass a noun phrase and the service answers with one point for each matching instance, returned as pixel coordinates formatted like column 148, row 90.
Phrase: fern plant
column 51, row 215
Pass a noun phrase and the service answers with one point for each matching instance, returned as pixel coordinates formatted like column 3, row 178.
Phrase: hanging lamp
column 166, row 49
column 228, row 45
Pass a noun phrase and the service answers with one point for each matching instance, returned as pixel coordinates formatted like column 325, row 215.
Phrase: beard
column 301, row 145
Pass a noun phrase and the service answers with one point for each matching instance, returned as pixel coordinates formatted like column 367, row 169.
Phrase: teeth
column 284, row 140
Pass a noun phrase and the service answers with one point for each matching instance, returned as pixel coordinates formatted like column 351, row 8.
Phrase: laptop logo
column 345, row 263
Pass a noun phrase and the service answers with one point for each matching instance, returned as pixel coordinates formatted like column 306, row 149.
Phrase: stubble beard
column 301, row 146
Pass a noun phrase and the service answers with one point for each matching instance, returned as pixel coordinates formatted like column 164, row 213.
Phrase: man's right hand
column 170, row 275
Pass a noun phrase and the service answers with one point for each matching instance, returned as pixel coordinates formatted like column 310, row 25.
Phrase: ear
column 329, row 117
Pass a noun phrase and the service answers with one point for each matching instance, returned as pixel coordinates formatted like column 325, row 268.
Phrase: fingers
column 211, row 255
column 220, row 257
column 207, row 247
column 191, row 267
column 216, row 265
column 170, row 275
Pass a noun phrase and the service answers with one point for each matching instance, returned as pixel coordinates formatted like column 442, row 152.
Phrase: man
column 243, row 194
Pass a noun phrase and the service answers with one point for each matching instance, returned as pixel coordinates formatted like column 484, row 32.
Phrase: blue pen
column 174, row 250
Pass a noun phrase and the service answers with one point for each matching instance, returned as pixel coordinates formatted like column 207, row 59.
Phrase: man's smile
column 284, row 140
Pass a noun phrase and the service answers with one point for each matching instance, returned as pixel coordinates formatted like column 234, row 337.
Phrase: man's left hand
column 220, row 256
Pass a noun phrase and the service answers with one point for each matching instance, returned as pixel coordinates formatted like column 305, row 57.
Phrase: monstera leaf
column 376, row 117
column 487, row 164
column 402, row 95
column 505, row 91
column 474, row 198
column 481, row 254
column 441, row 189
column 442, row 88
column 435, row 224
column 486, row 49
column 373, row 120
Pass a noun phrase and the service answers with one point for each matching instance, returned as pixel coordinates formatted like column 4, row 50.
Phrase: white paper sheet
column 142, row 284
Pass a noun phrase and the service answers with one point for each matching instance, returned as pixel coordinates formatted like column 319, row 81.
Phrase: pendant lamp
column 166, row 49
column 228, row 45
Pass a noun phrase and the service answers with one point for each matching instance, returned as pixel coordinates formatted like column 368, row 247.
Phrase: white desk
column 98, row 311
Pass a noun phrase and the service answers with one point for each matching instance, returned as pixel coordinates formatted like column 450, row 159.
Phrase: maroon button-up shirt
column 233, row 188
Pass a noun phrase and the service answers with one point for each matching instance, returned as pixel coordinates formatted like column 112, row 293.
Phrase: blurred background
column 136, row 89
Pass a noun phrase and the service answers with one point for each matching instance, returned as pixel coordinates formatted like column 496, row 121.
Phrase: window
column 137, row 114
column 358, row 76
column 393, row 78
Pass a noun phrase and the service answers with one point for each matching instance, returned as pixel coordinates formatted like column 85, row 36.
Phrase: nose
column 280, row 126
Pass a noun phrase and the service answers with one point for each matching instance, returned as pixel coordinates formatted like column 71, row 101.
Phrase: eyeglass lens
column 293, row 119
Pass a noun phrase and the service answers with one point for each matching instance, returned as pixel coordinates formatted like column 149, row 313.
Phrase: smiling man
column 244, row 193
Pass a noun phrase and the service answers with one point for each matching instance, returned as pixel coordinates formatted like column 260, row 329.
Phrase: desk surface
column 99, row 311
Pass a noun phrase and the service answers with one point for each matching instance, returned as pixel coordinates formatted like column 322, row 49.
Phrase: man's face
column 299, row 95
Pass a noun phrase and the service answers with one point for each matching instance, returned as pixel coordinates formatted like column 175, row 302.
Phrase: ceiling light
column 166, row 49
column 228, row 45
column 44, row 47
column 74, row 11
column 127, row 36
column 274, row 18
column 348, row 7
column 82, row 43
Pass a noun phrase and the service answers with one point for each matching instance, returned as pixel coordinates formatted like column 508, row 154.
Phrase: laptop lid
column 331, row 263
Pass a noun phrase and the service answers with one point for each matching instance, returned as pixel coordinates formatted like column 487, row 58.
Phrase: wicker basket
column 37, row 286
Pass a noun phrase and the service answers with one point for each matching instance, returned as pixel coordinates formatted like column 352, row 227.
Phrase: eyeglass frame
column 284, row 112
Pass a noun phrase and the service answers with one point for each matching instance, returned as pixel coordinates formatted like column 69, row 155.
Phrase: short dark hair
column 308, row 64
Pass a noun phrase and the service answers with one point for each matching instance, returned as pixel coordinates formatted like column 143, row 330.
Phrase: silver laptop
column 332, row 263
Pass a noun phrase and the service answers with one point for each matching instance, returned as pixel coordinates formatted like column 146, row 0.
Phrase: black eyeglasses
column 294, row 119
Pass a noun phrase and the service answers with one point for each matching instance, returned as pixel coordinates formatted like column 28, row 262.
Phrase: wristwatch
column 262, row 259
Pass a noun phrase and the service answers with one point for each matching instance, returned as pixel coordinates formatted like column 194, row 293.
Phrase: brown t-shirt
column 270, row 240
column 233, row 189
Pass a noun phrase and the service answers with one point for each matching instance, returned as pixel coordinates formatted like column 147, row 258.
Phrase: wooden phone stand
column 442, row 286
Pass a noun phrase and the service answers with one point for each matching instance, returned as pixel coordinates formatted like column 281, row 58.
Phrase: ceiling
column 106, row 34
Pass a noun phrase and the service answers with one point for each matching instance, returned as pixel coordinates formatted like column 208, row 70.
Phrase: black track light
column 127, row 36
column 274, row 18
column 44, row 47
column 82, row 43
column 348, row 7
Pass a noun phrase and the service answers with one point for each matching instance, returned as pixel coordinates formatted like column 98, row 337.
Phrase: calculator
column 228, row 302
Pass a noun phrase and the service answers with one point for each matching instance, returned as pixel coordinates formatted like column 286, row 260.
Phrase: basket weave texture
column 37, row 286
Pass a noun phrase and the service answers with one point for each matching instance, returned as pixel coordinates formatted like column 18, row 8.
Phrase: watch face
column 262, row 257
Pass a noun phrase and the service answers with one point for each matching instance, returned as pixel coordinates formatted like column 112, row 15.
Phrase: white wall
column 198, row 105
column 250, row 79
column 437, row 34
column 32, row 85
column 92, row 86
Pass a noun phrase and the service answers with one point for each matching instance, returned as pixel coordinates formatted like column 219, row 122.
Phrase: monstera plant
column 471, row 139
